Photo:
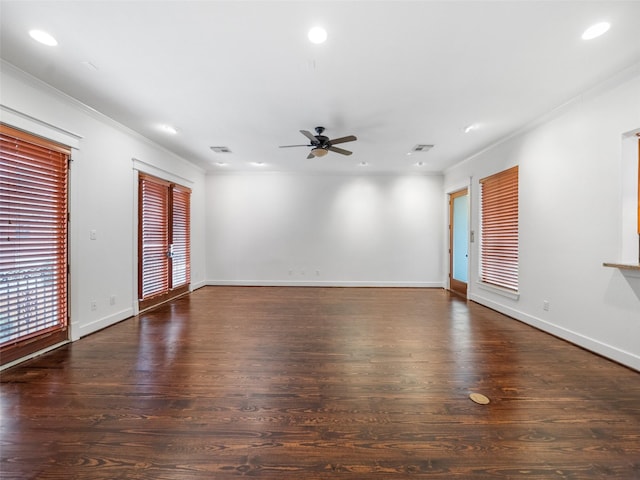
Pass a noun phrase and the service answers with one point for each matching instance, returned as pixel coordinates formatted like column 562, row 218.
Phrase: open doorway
column 458, row 241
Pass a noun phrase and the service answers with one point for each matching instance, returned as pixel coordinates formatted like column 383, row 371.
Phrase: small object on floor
column 479, row 398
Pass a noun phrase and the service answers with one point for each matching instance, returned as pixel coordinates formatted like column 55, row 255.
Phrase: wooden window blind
column 164, row 240
column 181, row 240
column 499, row 229
column 154, row 237
column 33, row 241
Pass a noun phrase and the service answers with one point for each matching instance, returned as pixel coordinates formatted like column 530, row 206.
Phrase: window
column 164, row 240
column 499, row 230
column 181, row 241
column 33, row 243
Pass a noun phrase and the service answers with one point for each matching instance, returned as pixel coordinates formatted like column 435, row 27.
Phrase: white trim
column 339, row 283
column 323, row 173
column 621, row 356
column 134, row 229
column 37, row 127
column 195, row 286
column 628, row 197
column 105, row 322
column 449, row 230
column 146, row 167
column 456, row 187
column 593, row 92
column 140, row 166
column 101, row 117
column 40, row 128
column 505, row 292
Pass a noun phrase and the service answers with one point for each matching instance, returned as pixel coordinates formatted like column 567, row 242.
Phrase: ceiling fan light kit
column 319, row 152
column 321, row 144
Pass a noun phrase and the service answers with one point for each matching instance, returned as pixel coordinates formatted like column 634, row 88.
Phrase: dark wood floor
column 320, row 383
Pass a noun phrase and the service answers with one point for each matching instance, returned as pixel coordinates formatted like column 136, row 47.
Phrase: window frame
column 499, row 232
column 169, row 288
column 43, row 181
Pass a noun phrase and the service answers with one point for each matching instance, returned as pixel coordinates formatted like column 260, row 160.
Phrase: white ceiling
column 395, row 74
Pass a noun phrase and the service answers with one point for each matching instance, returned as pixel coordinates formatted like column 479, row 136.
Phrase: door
column 163, row 241
column 459, row 241
column 33, row 252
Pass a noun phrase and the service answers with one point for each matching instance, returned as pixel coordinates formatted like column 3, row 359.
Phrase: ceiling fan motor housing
column 321, row 140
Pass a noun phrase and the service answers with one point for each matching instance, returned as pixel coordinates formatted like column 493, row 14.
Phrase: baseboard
column 104, row 322
column 617, row 355
column 196, row 286
column 322, row 283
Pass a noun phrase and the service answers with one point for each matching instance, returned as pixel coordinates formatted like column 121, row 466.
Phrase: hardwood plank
column 317, row 383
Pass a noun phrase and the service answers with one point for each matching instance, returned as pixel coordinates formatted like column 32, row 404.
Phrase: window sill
column 499, row 291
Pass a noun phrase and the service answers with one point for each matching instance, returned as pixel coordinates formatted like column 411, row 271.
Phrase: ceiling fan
column 322, row 144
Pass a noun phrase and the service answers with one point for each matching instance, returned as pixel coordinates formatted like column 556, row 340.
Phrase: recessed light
column 596, row 30
column 43, row 37
column 317, row 35
column 257, row 164
column 419, row 164
column 168, row 129
column 221, row 164
column 363, row 164
column 471, row 128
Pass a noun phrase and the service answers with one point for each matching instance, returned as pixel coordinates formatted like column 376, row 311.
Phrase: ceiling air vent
column 422, row 148
column 221, row 149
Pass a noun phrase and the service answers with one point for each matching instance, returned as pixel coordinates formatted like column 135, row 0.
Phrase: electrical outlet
column 94, row 305
column 112, row 300
column 545, row 305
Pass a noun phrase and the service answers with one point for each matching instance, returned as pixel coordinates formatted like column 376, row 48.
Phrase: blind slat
column 499, row 229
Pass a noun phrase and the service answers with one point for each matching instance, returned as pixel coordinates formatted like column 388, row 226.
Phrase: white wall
column 288, row 229
column 102, row 198
column 572, row 192
column 369, row 230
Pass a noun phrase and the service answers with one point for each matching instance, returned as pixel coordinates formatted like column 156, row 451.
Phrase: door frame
column 171, row 291
column 32, row 344
column 141, row 167
column 456, row 286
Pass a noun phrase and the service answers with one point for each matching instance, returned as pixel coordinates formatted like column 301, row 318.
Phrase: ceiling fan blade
column 311, row 155
column 309, row 135
column 348, row 138
column 340, row 150
column 289, row 146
